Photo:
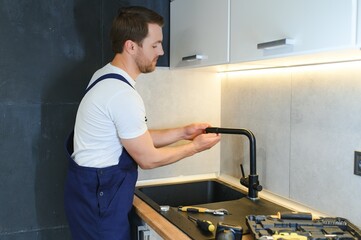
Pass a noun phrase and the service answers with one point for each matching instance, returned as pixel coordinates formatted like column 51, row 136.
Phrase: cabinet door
column 262, row 29
column 199, row 32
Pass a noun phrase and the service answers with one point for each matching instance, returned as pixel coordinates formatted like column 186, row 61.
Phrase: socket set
column 273, row 227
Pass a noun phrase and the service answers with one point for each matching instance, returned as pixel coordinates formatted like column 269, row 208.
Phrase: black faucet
column 251, row 182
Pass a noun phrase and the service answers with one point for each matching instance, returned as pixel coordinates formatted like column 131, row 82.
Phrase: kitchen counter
column 167, row 230
column 156, row 221
column 160, row 224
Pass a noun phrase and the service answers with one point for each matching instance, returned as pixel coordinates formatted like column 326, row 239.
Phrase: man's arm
column 165, row 137
column 143, row 150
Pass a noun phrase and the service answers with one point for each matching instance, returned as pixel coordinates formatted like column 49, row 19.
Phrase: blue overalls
column 98, row 200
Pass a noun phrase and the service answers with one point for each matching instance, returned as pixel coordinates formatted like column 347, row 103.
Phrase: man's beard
column 144, row 65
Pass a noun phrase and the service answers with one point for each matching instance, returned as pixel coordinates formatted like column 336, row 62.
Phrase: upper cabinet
column 268, row 33
column 268, row 29
column 199, row 32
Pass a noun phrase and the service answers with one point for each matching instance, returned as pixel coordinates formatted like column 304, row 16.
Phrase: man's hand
column 205, row 141
column 193, row 130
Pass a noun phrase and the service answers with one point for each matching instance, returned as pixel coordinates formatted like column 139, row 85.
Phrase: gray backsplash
column 307, row 122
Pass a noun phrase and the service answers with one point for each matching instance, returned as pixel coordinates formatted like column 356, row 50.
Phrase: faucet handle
column 244, row 180
column 242, row 170
column 257, row 187
column 251, row 182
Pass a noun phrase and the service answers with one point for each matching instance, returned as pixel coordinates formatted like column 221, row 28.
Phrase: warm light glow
column 304, row 68
column 323, row 60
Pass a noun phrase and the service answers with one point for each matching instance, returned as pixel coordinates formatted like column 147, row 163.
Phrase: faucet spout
column 251, row 182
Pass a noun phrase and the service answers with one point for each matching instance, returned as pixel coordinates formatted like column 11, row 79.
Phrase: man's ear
column 130, row 46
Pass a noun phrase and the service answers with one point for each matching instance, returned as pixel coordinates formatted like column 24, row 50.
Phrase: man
column 111, row 137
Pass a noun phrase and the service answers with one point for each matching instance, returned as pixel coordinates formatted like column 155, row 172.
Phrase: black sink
column 212, row 194
column 191, row 193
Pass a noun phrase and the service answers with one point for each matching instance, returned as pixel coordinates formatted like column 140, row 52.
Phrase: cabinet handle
column 194, row 57
column 143, row 233
column 276, row 43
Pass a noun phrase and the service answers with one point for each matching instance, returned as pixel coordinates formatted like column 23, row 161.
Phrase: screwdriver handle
column 206, row 226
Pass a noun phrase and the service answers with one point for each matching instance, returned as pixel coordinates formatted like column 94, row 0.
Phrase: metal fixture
column 194, row 57
column 357, row 167
column 276, row 44
column 251, row 182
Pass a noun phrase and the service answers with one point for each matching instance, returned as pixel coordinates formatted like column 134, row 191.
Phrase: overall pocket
column 110, row 186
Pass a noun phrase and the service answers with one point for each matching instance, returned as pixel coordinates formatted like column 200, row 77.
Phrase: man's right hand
column 205, row 141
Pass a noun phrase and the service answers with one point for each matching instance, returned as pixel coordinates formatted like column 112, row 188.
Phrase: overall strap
column 69, row 141
column 110, row 75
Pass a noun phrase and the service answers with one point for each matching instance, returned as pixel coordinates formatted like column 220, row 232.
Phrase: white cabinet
column 269, row 32
column 199, row 33
column 263, row 29
column 145, row 232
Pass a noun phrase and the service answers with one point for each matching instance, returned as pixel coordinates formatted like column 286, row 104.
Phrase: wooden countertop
column 156, row 221
column 161, row 225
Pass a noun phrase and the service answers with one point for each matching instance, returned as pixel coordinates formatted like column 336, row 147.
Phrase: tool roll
column 301, row 226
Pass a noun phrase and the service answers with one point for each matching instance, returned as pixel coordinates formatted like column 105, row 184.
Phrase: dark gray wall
column 48, row 52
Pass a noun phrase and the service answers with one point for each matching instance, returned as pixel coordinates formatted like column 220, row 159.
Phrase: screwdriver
column 206, row 226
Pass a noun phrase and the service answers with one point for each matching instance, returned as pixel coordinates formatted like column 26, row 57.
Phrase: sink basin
column 210, row 193
column 189, row 193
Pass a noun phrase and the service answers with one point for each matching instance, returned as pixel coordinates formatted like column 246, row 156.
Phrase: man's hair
column 131, row 23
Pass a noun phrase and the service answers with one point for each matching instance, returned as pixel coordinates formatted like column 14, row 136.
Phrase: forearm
column 165, row 137
column 147, row 156
column 143, row 150
column 165, row 156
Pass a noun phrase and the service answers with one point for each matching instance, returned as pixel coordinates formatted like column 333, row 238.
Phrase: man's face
column 151, row 49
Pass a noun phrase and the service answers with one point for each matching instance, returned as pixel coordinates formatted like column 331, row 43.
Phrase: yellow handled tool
column 204, row 225
column 294, row 215
column 290, row 236
column 203, row 210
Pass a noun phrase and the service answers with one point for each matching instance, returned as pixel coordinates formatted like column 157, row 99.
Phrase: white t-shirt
column 110, row 111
